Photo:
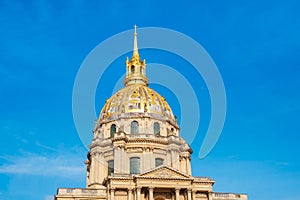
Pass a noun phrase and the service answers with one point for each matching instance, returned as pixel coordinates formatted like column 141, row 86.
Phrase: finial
column 135, row 26
column 135, row 46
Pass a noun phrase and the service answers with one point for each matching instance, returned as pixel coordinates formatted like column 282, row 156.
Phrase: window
column 110, row 165
column 134, row 127
column 141, row 69
column 132, row 69
column 113, row 130
column 156, row 128
column 135, row 165
column 158, row 162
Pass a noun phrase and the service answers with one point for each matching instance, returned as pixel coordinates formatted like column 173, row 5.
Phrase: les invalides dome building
column 137, row 152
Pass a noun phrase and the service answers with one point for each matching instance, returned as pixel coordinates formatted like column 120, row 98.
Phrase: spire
column 135, row 46
column 135, row 68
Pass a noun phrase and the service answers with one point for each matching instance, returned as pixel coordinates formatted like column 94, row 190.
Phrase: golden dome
column 136, row 99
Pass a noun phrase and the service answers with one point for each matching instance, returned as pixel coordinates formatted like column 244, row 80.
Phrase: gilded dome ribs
column 135, row 99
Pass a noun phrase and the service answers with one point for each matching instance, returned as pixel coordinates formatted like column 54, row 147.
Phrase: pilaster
column 151, row 193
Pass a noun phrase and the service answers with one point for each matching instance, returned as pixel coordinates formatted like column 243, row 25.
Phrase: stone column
column 169, row 157
column 112, row 194
column 183, row 164
column 101, row 168
column 152, row 160
column 189, row 194
column 97, row 169
column 188, row 166
column 193, row 195
column 122, row 157
column 209, row 196
column 177, row 190
column 108, row 193
column 92, row 169
column 175, row 159
column 151, row 193
column 117, row 159
column 138, row 193
column 146, row 160
column 129, row 194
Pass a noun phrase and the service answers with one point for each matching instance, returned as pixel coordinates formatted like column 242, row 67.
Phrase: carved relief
column 165, row 172
column 160, row 151
column 134, row 150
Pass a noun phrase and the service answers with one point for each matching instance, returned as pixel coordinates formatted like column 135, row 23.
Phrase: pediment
column 164, row 172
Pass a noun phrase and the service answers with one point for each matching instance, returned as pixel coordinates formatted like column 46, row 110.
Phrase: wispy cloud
column 49, row 197
column 62, row 164
column 45, row 146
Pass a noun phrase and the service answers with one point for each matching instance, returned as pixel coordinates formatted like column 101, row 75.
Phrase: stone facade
column 137, row 152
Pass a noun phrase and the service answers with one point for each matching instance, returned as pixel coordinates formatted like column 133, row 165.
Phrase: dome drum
column 146, row 126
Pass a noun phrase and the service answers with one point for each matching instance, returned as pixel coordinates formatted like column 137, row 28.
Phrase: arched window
column 134, row 127
column 141, row 69
column 135, row 165
column 110, row 165
column 132, row 69
column 156, row 128
column 113, row 130
column 159, row 162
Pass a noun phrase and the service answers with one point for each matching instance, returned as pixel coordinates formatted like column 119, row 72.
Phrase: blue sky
column 255, row 45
